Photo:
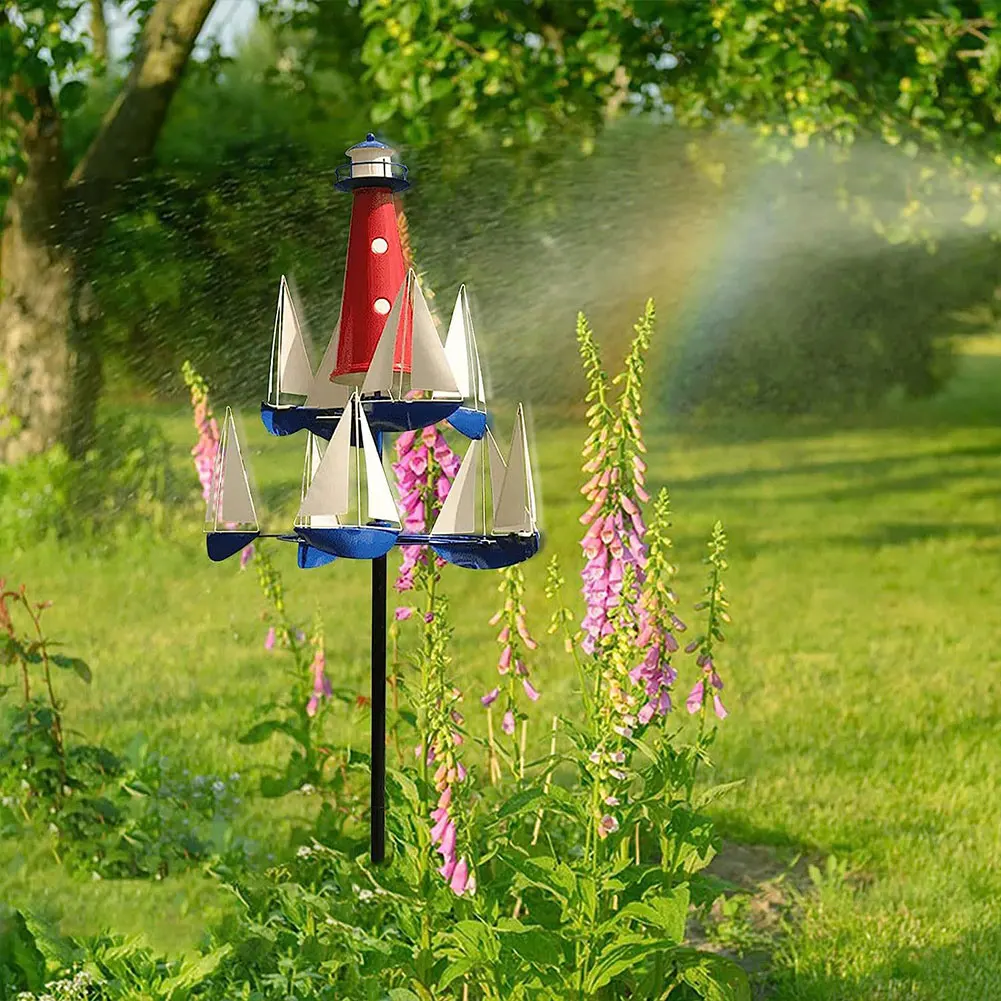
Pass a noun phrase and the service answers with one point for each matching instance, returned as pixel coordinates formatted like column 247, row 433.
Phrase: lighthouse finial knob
column 370, row 137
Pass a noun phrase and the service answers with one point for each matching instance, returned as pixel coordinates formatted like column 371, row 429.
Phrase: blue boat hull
column 222, row 545
column 352, row 542
column 383, row 415
column 469, row 422
column 488, row 552
column 308, row 558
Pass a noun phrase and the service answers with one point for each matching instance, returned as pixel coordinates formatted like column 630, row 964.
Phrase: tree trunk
column 50, row 357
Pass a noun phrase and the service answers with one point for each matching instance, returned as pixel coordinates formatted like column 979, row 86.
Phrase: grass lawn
column 861, row 676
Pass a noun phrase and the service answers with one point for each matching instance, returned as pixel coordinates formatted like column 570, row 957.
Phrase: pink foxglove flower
column 269, row 640
column 491, row 697
column 694, row 701
column 321, row 683
column 507, row 724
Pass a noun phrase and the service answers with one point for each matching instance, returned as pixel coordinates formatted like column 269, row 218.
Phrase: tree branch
column 131, row 127
column 99, row 32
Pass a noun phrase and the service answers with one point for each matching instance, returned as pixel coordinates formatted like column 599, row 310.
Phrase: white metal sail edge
column 323, row 393
column 529, row 476
column 511, row 511
column 381, row 503
column 458, row 513
column 294, row 372
column 379, row 377
column 429, row 367
column 234, row 503
column 498, row 467
column 328, row 492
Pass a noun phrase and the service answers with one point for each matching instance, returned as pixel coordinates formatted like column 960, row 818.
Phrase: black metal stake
column 378, row 791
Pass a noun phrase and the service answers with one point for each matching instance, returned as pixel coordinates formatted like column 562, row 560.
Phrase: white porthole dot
column 382, row 306
column 379, row 245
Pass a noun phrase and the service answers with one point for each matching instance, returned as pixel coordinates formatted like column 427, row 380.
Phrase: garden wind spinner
column 384, row 370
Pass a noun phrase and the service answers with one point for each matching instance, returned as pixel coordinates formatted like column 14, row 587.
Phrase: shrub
column 124, row 481
column 106, row 815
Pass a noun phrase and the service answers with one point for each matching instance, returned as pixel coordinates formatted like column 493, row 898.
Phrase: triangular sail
column 512, row 512
column 231, row 501
column 379, row 377
column 328, row 491
column 381, row 503
column 314, row 456
column 323, row 393
column 458, row 513
column 429, row 368
column 294, row 372
column 455, row 349
column 462, row 354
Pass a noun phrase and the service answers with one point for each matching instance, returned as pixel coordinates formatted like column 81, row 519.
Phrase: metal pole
column 378, row 791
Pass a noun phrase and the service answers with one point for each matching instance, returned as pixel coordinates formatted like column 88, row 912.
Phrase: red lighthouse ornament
column 375, row 269
column 386, row 343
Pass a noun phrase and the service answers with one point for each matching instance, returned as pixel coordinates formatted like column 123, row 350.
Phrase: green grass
column 862, row 673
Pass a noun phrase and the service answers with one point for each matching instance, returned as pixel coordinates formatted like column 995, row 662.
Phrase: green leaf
column 533, row 943
column 75, row 664
column 517, row 804
column 606, row 59
column 19, row 952
column 401, row 994
column 72, row 95
column 260, row 732
column 621, row 955
column 668, row 913
column 547, row 874
column 715, row 978
column 716, row 792
column 192, row 973
column 10, row 650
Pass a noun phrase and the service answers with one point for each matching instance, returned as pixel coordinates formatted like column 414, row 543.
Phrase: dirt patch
column 744, row 923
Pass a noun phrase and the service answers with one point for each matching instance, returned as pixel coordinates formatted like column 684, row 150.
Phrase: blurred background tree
column 570, row 155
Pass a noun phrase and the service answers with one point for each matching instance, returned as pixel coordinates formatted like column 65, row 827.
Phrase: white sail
column 232, row 503
column 455, row 349
column 429, row 368
column 379, row 377
column 381, row 504
column 328, row 492
column 323, row 393
column 294, row 373
column 462, row 354
column 458, row 513
column 513, row 511
column 498, row 467
column 314, row 455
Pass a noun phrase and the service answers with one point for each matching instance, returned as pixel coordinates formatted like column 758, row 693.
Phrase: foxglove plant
column 206, row 448
column 515, row 640
column 715, row 603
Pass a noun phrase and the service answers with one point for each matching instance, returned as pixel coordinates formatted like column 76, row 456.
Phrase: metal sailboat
column 478, row 533
column 230, row 518
column 464, row 360
column 359, row 524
